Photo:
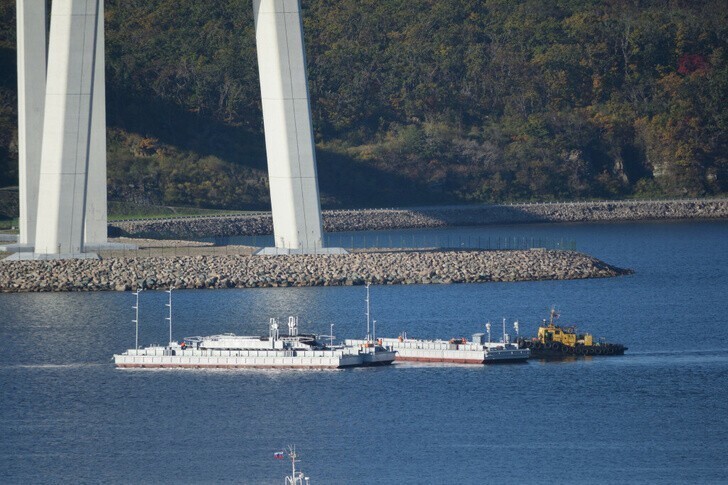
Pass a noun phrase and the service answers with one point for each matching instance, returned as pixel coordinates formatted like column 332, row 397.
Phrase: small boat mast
column 169, row 318
column 553, row 315
column 297, row 477
column 369, row 336
column 136, row 319
column 293, row 326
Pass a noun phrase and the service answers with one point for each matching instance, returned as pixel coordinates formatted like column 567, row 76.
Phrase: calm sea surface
column 658, row 414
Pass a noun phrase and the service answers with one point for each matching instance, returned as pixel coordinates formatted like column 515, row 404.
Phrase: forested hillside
column 416, row 101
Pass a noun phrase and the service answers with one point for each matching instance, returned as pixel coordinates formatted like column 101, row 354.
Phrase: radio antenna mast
column 170, row 312
column 136, row 319
column 367, row 300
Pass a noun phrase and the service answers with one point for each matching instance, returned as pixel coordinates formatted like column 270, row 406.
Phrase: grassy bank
column 125, row 210
column 9, row 226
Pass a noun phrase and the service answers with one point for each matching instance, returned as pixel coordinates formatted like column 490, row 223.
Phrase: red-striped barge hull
column 440, row 360
column 231, row 366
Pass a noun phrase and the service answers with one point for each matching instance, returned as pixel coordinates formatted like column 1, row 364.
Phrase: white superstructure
column 237, row 351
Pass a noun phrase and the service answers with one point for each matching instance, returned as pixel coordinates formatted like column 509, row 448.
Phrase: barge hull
column 227, row 366
column 444, row 352
column 238, row 362
column 443, row 360
column 557, row 350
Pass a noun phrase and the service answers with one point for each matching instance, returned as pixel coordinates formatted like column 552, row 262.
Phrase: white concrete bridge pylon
column 66, row 146
column 31, row 48
column 96, row 225
column 289, row 139
column 62, row 131
column 74, row 47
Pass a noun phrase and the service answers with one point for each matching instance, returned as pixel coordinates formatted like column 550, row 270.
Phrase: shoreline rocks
column 240, row 271
column 431, row 217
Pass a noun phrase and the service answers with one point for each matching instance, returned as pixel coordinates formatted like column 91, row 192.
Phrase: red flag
column 278, row 455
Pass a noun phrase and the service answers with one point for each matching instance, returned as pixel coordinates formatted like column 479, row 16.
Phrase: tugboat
column 554, row 341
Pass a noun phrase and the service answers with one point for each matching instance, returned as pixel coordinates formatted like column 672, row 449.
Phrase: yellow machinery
column 566, row 335
column 554, row 341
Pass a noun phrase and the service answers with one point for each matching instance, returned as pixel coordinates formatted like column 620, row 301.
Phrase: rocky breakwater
column 194, row 227
column 236, row 271
column 430, row 217
column 626, row 210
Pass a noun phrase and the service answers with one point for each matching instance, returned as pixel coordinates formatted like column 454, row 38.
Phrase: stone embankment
column 430, row 217
column 236, row 271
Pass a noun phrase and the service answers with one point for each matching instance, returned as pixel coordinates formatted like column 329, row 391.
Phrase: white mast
column 487, row 329
column 273, row 333
column 367, row 300
column 170, row 312
column 292, row 326
column 296, row 478
column 293, row 463
column 136, row 319
column 331, row 336
column 504, row 331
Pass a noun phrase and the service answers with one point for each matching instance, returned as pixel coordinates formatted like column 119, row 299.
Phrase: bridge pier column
column 96, row 226
column 67, row 127
column 289, row 139
column 31, row 48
